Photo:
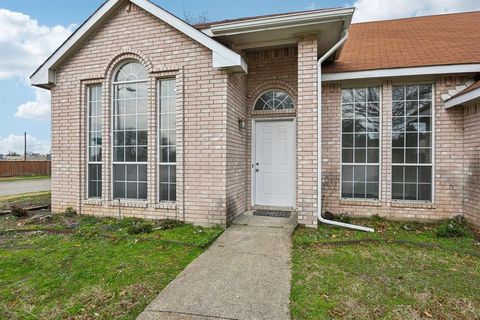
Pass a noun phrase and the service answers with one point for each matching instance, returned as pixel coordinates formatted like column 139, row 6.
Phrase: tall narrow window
column 130, row 132
column 167, row 140
column 94, row 102
column 412, row 142
column 360, row 143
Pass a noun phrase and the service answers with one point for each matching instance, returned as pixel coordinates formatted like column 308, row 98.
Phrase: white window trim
column 432, row 165
column 112, row 138
column 380, row 147
column 158, row 128
column 88, row 87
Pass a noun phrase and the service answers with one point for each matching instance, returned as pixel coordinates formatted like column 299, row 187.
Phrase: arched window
column 130, row 131
column 274, row 100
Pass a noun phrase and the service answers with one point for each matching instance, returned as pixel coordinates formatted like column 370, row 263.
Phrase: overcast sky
column 30, row 30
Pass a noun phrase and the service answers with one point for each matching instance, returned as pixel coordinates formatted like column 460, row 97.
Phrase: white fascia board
column 402, row 72
column 462, row 98
column 278, row 22
column 44, row 76
column 230, row 59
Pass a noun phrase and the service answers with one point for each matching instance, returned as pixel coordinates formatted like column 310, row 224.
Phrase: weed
column 18, row 212
column 70, row 212
column 452, row 228
column 143, row 227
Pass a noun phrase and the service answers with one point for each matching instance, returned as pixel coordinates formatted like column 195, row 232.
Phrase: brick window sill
column 413, row 205
column 360, row 203
column 166, row 205
column 93, row 202
column 128, row 204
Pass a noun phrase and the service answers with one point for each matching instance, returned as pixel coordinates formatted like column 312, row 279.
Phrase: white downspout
column 319, row 142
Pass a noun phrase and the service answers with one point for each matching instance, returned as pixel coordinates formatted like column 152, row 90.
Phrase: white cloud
column 15, row 143
column 371, row 10
column 26, row 44
column 38, row 109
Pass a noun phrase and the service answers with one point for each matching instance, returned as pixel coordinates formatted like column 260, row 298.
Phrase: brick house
column 155, row 118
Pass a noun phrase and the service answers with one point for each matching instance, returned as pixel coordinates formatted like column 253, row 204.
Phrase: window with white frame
column 130, row 132
column 412, row 110
column 167, row 142
column 360, row 143
column 95, row 121
column 274, row 100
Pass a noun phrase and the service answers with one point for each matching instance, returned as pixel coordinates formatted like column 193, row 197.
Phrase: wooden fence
column 25, row 168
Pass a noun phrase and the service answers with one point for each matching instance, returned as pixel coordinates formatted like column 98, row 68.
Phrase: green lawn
column 403, row 271
column 25, row 200
column 99, row 271
column 10, row 179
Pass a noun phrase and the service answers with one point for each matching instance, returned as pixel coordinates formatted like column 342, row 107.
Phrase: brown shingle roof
column 413, row 42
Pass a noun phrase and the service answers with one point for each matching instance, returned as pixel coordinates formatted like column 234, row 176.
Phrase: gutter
column 319, row 142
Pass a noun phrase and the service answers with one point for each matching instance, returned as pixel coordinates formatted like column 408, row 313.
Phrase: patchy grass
column 22, row 178
column 25, row 200
column 403, row 271
column 97, row 271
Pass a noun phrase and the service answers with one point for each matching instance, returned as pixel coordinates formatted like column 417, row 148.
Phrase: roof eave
column 44, row 76
column 402, row 72
column 278, row 22
column 462, row 99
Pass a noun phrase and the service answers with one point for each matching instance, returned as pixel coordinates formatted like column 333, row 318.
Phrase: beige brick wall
column 307, row 132
column 202, row 102
column 471, row 162
column 448, row 166
column 237, row 162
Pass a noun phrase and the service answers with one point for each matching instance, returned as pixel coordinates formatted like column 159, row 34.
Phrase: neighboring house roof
column 468, row 95
column 441, row 40
column 223, row 57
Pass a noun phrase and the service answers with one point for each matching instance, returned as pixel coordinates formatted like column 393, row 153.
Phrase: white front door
column 274, row 166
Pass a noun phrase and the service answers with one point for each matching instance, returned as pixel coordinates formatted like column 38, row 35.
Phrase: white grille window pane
column 274, row 100
column 130, row 127
column 167, row 142
column 360, row 143
column 94, row 141
column 412, row 110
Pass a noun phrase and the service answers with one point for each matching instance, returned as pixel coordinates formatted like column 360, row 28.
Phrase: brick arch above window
column 126, row 54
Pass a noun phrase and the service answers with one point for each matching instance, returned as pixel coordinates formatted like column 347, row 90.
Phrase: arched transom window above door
column 274, row 100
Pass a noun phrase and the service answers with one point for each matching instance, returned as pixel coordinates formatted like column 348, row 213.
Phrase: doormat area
column 273, row 214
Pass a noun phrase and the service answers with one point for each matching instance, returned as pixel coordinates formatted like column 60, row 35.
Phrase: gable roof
column 222, row 56
column 448, row 39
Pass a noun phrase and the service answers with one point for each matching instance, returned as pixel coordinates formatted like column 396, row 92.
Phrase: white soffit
column 222, row 57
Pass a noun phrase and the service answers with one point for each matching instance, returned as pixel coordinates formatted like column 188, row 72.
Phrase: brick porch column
column 307, row 131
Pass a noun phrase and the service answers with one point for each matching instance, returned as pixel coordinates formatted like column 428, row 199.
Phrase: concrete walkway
column 8, row 188
column 244, row 275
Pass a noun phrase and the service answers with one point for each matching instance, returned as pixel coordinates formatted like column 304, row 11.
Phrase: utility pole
column 25, row 147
